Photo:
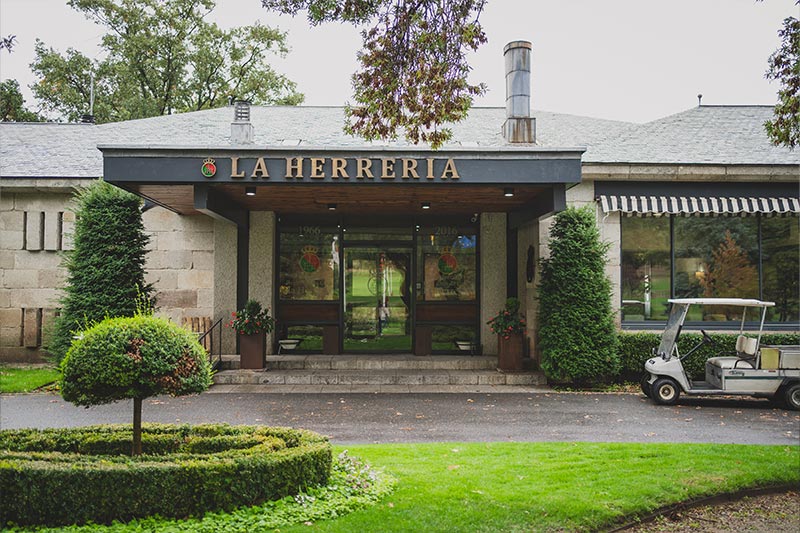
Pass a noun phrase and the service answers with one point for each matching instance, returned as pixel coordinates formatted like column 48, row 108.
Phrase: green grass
column 511, row 487
column 552, row 486
column 13, row 379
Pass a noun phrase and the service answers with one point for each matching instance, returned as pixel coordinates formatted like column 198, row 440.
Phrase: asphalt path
column 383, row 418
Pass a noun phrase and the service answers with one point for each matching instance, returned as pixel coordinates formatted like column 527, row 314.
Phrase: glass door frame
column 412, row 224
column 408, row 247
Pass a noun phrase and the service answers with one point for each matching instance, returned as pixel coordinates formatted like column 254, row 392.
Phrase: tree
column 162, row 57
column 133, row 357
column 105, row 269
column 12, row 104
column 413, row 66
column 784, row 66
column 729, row 274
column 8, row 43
column 577, row 334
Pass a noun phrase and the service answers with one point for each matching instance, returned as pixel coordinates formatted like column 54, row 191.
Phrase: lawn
column 552, row 486
column 452, row 487
column 26, row 379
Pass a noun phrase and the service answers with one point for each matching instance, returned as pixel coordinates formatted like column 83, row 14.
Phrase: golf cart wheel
column 791, row 397
column 646, row 387
column 665, row 391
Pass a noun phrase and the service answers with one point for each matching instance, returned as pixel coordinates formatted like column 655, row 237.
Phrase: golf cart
column 752, row 370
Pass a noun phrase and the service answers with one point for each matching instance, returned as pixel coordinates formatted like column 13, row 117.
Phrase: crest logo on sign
column 209, row 168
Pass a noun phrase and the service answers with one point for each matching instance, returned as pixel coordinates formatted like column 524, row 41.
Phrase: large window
column 714, row 257
column 446, row 264
column 309, row 263
column 645, row 268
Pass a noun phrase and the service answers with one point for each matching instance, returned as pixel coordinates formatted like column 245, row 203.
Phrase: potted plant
column 252, row 324
column 509, row 326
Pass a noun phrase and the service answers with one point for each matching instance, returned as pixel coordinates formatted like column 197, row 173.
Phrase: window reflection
column 446, row 259
column 645, row 268
column 780, row 248
column 714, row 257
column 309, row 263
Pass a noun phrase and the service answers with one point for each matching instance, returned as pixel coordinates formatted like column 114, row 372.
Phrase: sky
column 631, row 60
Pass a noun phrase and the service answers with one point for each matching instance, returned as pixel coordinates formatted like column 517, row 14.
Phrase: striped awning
column 692, row 205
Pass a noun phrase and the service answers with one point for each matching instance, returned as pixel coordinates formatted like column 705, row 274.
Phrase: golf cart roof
column 741, row 302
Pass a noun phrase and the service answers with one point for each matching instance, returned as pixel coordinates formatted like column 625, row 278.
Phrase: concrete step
column 370, row 362
column 377, row 377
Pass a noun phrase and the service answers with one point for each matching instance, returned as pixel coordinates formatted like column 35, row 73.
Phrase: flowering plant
column 509, row 320
column 252, row 319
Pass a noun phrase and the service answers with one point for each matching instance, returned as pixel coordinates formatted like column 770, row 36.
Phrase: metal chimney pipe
column 519, row 127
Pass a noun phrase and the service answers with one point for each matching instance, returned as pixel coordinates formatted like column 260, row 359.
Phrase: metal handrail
column 210, row 333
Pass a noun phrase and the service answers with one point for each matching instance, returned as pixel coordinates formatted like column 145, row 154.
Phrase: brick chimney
column 519, row 126
column 241, row 128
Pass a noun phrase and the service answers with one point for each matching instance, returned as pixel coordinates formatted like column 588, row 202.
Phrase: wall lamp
column 508, row 192
column 426, row 205
column 250, row 191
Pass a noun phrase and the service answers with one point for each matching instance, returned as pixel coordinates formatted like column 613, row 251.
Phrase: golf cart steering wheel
column 707, row 338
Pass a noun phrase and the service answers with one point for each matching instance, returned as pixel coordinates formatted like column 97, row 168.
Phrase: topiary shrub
column 636, row 349
column 577, row 334
column 105, row 269
column 133, row 357
column 65, row 476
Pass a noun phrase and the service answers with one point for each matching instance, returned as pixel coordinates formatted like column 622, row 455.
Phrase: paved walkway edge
column 376, row 389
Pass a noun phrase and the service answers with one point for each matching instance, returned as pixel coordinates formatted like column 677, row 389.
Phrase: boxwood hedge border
column 78, row 475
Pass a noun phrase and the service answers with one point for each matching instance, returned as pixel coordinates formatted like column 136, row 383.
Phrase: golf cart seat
column 745, row 355
column 731, row 362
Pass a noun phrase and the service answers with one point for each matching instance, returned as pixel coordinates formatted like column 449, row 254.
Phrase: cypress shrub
column 577, row 334
column 105, row 269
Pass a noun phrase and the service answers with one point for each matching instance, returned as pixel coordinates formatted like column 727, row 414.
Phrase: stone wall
column 35, row 227
column 180, row 263
column 493, row 275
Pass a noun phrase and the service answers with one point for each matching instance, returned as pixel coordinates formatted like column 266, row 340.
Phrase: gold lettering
column 450, row 170
column 430, row 169
column 294, row 168
column 235, row 168
column 387, row 168
column 260, row 169
column 338, row 169
column 410, row 169
column 363, row 167
column 317, row 171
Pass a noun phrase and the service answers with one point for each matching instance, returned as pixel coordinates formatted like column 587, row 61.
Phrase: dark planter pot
column 509, row 353
column 254, row 350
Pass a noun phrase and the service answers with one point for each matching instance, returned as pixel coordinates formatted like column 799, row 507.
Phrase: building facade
column 386, row 247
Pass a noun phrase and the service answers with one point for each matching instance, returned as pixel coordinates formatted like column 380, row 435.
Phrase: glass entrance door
column 377, row 313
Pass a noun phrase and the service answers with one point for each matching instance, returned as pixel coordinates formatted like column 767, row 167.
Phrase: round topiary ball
column 133, row 357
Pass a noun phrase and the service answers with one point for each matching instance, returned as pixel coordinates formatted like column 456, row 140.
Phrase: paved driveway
column 374, row 418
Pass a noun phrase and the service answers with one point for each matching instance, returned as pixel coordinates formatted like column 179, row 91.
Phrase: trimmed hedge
column 636, row 349
column 65, row 476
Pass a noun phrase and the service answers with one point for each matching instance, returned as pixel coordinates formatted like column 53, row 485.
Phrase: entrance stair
column 375, row 373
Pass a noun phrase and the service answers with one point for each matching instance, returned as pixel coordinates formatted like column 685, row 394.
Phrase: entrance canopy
column 308, row 180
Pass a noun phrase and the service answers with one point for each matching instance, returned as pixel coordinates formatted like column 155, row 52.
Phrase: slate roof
column 702, row 135
column 720, row 135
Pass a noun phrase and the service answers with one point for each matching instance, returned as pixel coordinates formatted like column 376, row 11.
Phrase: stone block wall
column 35, row 228
column 180, row 263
